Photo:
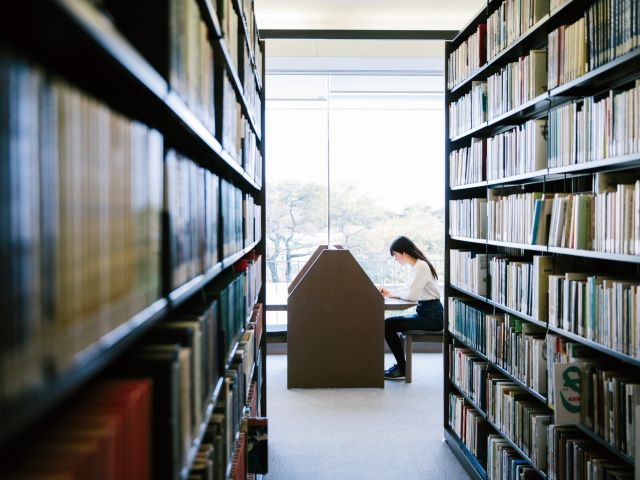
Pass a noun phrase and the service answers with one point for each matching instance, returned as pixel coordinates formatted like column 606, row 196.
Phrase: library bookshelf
column 543, row 194
column 132, row 146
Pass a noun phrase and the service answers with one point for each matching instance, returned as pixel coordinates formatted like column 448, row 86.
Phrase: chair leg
column 408, row 352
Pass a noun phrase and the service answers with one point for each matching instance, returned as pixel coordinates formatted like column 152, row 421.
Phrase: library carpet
column 390, row 433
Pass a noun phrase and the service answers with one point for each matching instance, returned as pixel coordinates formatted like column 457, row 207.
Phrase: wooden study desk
column 335, row 324
column 277, row 299
column 397, row 304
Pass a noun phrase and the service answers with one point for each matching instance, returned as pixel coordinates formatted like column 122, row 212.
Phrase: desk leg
column 408, row 353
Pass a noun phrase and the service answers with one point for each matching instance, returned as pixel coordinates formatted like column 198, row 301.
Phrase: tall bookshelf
column 540, row 114
column 132, row 140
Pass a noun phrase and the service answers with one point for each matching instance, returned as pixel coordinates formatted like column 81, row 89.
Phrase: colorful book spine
column 465, row 60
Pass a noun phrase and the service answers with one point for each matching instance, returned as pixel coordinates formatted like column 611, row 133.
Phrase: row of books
column 252, row 95
column 468, row 218
column 191, row 71
column 613, row 419
column 522, row 285
column 590, row 129
column 512, row 410
column 604, row 221
column 251, row 155
column 191, row 212
column 467, row 165
column 232, row 123
column 194, row 200
column 609, row 415
column 469, row 425
column 510, row 21
column 574, row 455
column 468, row 321
column 501, row 460
column 253, row 36
column 251, row 267
column 564, row 220
column 516, row 283
column 468, row 372
column 469, row 111
column 469, row 270
column 597, row 307
column 246, row 10
column 593, row 40
column 567, row 51
column 505, row 463
column 235, row 42
column 595, row 128
column 616, row 209
column 202, row 359
column 188, row 61
column 228, row 18
column 609, row 394
column 81, row 197
column 517, row 83
column 256, row 322
column 142, row 419
column 609, row 398
column 105, row 435
column 232, row 308
column 251, row 215
column 519, row 417
column 511, row 217
column 520, row 348
column 517, row 151
column 609, row 38
column 512, row 282
column 233, row 214
column 468, row 58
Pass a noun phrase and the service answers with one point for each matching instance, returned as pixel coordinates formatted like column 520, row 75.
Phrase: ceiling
column 365, row 14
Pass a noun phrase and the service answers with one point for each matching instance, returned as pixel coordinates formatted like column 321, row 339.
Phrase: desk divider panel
column 306, row 267
column 335, row 324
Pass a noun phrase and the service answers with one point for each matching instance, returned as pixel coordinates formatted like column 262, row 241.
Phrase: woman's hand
column 385, row 292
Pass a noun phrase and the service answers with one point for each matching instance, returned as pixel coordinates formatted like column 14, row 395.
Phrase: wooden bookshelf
column 617, row 75
column 87, row 46
column 504, row 372
column 497, row 430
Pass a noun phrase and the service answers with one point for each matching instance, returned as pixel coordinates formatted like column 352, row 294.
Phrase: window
column 353, row 158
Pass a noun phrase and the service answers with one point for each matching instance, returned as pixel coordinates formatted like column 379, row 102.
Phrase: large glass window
column 353, row 158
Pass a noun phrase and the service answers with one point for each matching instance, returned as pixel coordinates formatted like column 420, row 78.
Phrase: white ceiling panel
column 366, row 14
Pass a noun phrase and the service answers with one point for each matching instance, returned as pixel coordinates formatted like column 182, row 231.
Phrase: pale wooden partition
column 335, row 324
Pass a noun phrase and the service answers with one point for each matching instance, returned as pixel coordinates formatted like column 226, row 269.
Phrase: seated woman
column 421, row 287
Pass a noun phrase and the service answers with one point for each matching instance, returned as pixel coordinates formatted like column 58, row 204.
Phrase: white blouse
column 421, row 284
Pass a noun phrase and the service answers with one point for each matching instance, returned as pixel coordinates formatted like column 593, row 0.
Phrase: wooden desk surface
column 397, row 304
column 277, row 299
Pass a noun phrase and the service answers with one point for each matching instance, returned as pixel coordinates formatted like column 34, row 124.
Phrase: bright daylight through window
column 355, row 158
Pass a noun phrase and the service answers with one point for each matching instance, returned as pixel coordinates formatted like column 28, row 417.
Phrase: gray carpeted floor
column 390, row 433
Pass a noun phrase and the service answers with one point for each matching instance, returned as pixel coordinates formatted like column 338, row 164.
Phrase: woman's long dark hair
column 404, row 245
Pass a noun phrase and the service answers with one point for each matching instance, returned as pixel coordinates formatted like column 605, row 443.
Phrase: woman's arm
column 412, row 290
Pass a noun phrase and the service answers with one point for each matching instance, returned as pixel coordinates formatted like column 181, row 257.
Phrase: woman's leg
column 392, row 327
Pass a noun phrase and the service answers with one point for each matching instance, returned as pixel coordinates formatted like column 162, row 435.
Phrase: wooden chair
column 419, row 336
